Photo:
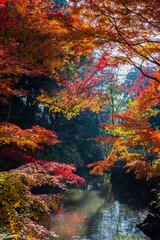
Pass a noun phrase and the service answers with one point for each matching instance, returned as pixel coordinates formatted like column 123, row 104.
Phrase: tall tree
column 134, row 140
column 30, row 44
column 77, row 95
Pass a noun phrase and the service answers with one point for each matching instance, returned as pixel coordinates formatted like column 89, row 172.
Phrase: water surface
column 94, row 213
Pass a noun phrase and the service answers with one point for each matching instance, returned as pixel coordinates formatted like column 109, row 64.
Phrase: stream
column 101, row 211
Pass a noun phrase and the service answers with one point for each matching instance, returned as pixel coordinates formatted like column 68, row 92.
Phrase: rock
column 151, row 226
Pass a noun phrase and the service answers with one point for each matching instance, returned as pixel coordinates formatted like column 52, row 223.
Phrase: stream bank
column 147, row 191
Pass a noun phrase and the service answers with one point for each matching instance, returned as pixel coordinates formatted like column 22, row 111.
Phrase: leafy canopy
column 134, row 140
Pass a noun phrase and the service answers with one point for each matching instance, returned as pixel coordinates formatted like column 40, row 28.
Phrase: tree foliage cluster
column 31, row 45
column 128, row 32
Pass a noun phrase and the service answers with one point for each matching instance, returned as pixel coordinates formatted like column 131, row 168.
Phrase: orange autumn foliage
column 77, row 95
column 31, row 43
column 135, row 141
column 29, row 138
column 123, row 30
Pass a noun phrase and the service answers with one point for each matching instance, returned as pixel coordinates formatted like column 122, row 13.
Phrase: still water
column 100, row 212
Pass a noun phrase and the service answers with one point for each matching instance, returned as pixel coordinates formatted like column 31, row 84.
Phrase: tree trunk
column 8, row 111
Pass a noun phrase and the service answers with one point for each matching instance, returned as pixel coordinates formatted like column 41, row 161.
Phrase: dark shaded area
column 129, row 190
column 75, row 146
column 46, row 189
column 7, row 164
column 151, row 226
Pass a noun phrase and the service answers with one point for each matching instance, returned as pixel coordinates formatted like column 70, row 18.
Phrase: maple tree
column 77, row 95
column 20, row 208
column 134, row 140
column 31, row 138
column 114, row 96
column 123, row 30
column 30, row 44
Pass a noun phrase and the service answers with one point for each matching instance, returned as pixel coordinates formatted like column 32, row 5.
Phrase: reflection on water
column 94, row 214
